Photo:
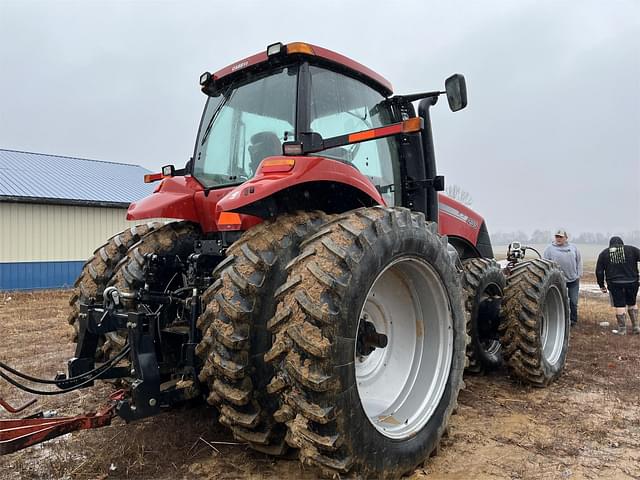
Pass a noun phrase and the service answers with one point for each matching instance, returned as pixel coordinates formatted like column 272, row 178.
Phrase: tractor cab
column 252, row 112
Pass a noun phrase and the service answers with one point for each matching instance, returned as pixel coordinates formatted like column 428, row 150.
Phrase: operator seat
column 263, row 144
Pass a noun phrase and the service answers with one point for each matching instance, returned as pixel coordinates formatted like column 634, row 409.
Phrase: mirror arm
column 412, row 97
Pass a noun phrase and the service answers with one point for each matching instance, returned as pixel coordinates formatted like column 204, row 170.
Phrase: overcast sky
column 551, row 136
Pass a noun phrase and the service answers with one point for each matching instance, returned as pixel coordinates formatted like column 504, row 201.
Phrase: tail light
column 277, row 165
column 229, row 221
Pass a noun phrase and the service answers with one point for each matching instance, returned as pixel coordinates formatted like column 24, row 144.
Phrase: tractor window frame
column 212, row 115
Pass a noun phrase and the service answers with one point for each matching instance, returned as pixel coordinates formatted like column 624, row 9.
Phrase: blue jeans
column 574, row 290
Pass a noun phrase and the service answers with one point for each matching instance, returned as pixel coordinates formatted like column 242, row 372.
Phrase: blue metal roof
column 31, row 176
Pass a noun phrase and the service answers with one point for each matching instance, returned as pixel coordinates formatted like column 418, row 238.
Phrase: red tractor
column 316, row 287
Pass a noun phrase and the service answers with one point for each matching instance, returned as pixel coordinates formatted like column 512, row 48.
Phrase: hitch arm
column 24, row 432
column 18, row 434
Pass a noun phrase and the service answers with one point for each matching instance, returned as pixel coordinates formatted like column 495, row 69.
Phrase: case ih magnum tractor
column 316, row 286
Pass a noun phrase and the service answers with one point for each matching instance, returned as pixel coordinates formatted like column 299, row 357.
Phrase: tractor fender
column 456, row 220
column 172, row 198
column 305, row 170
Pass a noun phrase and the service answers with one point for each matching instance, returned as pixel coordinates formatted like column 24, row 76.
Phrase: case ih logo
column 454, row 212
column 240, row 65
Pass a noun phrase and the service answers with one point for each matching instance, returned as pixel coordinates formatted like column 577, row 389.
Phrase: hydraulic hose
column 91, row 376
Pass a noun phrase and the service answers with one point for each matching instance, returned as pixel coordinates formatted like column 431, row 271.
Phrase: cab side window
column 340, row 105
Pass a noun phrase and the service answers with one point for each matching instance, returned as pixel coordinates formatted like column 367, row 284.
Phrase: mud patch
column 584, row 426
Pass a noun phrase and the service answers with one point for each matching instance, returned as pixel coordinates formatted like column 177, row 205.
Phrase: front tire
column 535, row 322
column 354, row 402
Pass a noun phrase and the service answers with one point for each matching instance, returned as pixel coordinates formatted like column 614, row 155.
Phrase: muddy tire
column 175, row 238
column 97, row 272
column 235, row 337
column 535, row 322
column 351, row 404
column 483, row 283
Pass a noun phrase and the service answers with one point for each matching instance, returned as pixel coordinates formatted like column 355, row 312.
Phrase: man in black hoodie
column 619, row 265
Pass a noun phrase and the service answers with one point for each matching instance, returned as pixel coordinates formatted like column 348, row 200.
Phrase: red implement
column 11, row 409
column 21, row 433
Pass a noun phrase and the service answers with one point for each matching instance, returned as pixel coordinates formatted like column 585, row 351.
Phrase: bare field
column 585, row 426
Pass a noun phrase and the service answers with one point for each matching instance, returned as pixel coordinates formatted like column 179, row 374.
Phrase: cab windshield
column 244, row 124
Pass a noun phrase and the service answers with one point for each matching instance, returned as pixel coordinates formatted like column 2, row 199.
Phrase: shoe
column 636, row 330
column 619, row 332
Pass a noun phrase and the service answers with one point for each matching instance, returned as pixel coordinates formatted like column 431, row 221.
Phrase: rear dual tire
column 348, row 409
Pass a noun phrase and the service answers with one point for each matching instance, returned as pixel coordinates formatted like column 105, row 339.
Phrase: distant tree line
column 542, row 236
column 545, row 236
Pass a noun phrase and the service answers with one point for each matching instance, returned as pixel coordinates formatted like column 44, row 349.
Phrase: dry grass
column 586, row 425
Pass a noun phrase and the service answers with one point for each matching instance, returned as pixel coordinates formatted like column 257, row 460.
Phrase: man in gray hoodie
column 569, row 260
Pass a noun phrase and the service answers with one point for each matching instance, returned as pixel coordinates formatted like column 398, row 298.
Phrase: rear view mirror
column 168, row 171
column 456, row 89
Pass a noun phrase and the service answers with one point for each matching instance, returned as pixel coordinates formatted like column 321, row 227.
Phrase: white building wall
column 45, row 233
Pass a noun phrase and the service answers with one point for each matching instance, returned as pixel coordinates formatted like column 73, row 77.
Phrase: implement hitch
column 154, row 383
column 157, row 363
column 160, row 372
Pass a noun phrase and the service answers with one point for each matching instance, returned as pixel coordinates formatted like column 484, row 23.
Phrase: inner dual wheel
column 483, row 284
column 237, row 307
column 369, row 344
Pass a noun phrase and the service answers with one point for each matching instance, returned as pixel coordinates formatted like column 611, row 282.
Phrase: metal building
column 55, row 211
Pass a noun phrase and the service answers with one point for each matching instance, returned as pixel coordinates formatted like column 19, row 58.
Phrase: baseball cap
column 561, row 232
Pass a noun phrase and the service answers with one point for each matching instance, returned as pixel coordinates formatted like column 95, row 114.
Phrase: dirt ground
column 584, row 426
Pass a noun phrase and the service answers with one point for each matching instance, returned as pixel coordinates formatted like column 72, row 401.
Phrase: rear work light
column 277, row 165
column 205, row 78
column 274, row 49
column 292, row 148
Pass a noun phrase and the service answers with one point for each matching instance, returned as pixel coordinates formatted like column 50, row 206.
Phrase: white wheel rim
column 553, row 326
column 401, row 385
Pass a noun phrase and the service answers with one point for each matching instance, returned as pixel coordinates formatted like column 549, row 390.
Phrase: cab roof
column 306, row 49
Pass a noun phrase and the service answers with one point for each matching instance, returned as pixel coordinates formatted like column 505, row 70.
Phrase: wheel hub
column 368, row 338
